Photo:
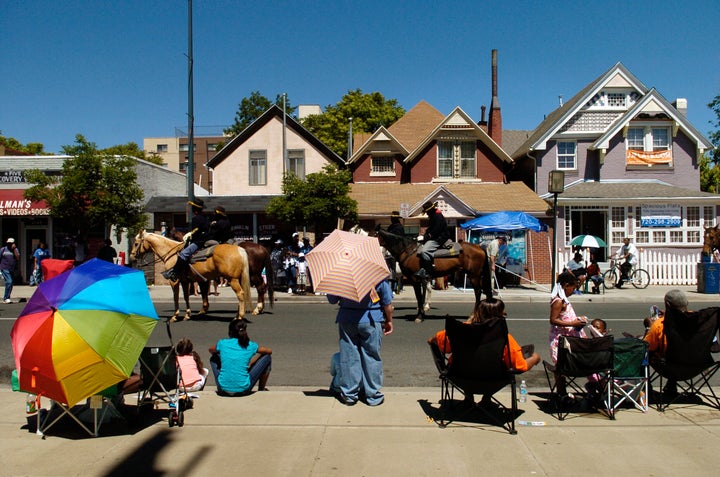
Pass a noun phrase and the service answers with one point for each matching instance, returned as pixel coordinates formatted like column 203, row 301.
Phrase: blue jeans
column 8, row 277
column 259, row 367
column 188, row 252
column 360, row 362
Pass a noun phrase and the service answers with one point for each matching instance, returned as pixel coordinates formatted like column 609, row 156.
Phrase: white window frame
column 382, row 166
column 649, row 134
column 454, row 161
column 257, row 165
column 564, row 157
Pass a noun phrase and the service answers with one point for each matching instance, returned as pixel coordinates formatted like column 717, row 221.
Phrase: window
column 186, row 147
column 693, row 216
column 566, row 155
column 616, row 100
column 456, row 159
column 635, row 139
column 708, row 216
column 618, row 217
column 296, row 162
column 382, row 165
column 648, row 146
column 161, row 148
column 642, row 236
column 258, row 167
column 660, row 139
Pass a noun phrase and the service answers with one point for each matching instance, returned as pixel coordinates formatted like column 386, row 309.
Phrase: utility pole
column 190, row 169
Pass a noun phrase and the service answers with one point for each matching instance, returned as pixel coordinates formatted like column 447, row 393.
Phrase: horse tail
column 270, row 276
column 487, row 285
column 245, row 277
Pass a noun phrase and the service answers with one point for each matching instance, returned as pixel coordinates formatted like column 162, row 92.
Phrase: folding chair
column 579, row 358
column 159, row 374
column 630, row 383
column 688, row 360
column 476, row 367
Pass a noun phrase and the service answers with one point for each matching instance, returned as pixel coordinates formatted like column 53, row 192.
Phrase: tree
column 710, row 163
column 368, row 111
column 34, row 148
column 320, row 199
column 252, row 108
column 131, row 149
column 95, row 190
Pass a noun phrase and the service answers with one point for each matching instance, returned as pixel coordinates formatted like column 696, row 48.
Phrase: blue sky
column 117, row 71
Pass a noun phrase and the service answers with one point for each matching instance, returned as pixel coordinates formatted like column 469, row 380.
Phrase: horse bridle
column 157, row 258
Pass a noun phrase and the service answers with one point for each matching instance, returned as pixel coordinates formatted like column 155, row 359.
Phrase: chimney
column 681, row 105
column 495, row 123
column 483, row 124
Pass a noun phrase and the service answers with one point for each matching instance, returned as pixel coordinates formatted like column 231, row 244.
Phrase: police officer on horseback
column 435, row 237
column 194, row 239
column 220, row 227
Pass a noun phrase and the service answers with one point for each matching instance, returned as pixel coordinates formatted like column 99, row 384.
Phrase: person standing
column 41, row 253
column 435, row 237
column 9, row 256
column 495, row 251
column 107, row 252
column 361, row 327
column 194, row 240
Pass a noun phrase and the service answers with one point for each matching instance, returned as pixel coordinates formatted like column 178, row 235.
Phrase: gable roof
column 367, row 146
column 416, row 124
column 556, row 119
column 273, row 112
column 459, row 120
column 654, row 101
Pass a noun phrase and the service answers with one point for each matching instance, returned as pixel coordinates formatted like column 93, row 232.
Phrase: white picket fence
column 665, row 268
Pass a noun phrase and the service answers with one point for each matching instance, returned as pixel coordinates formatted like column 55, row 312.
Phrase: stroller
column 162, row 382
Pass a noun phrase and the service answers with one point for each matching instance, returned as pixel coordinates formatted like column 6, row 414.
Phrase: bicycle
column 639, row 277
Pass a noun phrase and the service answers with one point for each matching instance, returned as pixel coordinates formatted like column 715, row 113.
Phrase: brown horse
column 227, row 261
column 258, row 259
column 712, row 240
column 472, row 260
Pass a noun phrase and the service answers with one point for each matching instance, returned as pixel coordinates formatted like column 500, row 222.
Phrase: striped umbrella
column 347, row 265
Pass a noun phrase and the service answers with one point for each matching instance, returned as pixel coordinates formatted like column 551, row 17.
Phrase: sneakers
column 7, row 300
column 289, row 290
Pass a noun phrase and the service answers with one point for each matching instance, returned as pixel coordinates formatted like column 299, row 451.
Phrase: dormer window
column 456, row 159
column 382, row 166
column 613, row 100
column 648, row 146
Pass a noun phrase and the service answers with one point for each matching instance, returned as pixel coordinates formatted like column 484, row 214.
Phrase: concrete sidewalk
column 305, row 432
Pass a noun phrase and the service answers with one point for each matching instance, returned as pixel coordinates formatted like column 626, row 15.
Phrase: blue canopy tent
column 505, row 221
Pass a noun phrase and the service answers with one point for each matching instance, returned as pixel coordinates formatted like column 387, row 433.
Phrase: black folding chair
column 476, row 367
column 687, row 360
column 579, row 358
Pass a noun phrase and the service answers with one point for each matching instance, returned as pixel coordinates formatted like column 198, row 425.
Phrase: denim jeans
column 259, row 367
column 8, row 277
column 360, row 362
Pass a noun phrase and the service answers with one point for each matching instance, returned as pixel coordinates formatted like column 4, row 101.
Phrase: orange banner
column 648, row 158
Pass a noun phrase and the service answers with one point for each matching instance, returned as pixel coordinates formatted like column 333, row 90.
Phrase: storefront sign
column 13, row 204
column 660, row 215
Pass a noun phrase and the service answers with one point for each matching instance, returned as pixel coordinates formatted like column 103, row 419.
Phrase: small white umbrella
column 588, row 241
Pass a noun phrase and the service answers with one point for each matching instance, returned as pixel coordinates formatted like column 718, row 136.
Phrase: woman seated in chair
column 514, row 356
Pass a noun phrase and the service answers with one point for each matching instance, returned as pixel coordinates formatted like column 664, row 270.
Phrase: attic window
column 648, row 146
column 382, row 166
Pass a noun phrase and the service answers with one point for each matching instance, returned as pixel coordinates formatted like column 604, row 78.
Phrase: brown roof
column 512, row 139
column 416, row 124
column 624, row 190
column 377, row 199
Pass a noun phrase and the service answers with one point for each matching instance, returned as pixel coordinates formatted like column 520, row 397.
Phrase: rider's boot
column 426, row 269
column 174, row 272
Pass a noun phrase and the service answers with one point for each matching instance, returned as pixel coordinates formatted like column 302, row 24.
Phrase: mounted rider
column 194, row 240
column 220, row 227
column 435, row 237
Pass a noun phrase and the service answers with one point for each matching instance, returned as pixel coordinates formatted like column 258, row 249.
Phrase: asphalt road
column 303, row 337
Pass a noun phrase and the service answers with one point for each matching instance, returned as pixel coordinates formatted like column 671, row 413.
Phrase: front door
column 33, row 236
column 591, row 222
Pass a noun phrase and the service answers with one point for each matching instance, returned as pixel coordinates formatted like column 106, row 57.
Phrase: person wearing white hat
column 9, row 256
column 302, row 273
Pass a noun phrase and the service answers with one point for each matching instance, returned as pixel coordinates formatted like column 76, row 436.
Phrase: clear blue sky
column 117, row 71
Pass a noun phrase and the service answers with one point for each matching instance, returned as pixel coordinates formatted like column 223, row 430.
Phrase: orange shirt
column 656, row 337
column 512, row 358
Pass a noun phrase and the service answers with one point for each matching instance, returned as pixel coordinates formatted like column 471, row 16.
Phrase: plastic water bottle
column 31, row 404
column 523, row 391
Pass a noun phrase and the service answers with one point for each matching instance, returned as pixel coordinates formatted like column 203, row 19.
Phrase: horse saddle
column 449, row 250
column 204, row 253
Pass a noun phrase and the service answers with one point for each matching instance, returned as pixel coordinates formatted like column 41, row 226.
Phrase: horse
column 226, row 260
column 712, row 240
column 258, row 259
column 472, row 259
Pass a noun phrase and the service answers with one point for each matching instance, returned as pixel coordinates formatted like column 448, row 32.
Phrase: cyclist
column 629, row 253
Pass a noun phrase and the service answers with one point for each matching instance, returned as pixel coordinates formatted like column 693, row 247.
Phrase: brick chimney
column 495, row 124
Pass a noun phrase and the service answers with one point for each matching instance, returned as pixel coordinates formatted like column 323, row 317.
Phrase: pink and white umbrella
column 347, row 265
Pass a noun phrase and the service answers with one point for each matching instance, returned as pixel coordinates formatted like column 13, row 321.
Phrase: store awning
column 13, row 204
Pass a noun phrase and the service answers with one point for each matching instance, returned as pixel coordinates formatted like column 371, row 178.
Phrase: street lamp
column 556, row 185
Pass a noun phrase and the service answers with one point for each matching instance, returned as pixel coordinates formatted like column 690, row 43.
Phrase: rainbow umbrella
column 347, row 265
column 82, row 331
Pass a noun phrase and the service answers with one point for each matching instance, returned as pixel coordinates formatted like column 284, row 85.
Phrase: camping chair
column 476, row 367
column 159, row 374
column 630, row 381
column 688, row 359
column 579, row 358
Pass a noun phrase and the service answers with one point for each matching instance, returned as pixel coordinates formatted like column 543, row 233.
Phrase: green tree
column 319, row 200
column 368, row 111
column 95, row 189
column 710, row 163
column 252, row 108
column 131, row 149
column 34, row 148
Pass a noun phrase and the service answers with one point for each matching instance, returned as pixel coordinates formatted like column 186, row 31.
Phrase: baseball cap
column 11, row 240
column 301, row 255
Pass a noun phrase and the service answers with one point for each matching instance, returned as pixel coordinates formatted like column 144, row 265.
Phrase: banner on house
column 660, row 215
column 648, row 158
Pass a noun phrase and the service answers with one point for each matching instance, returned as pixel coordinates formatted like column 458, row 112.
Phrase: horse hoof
column 255, row 312
column 419, row 319
column 426, row 307
column 187, row 318
column 172, row 319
